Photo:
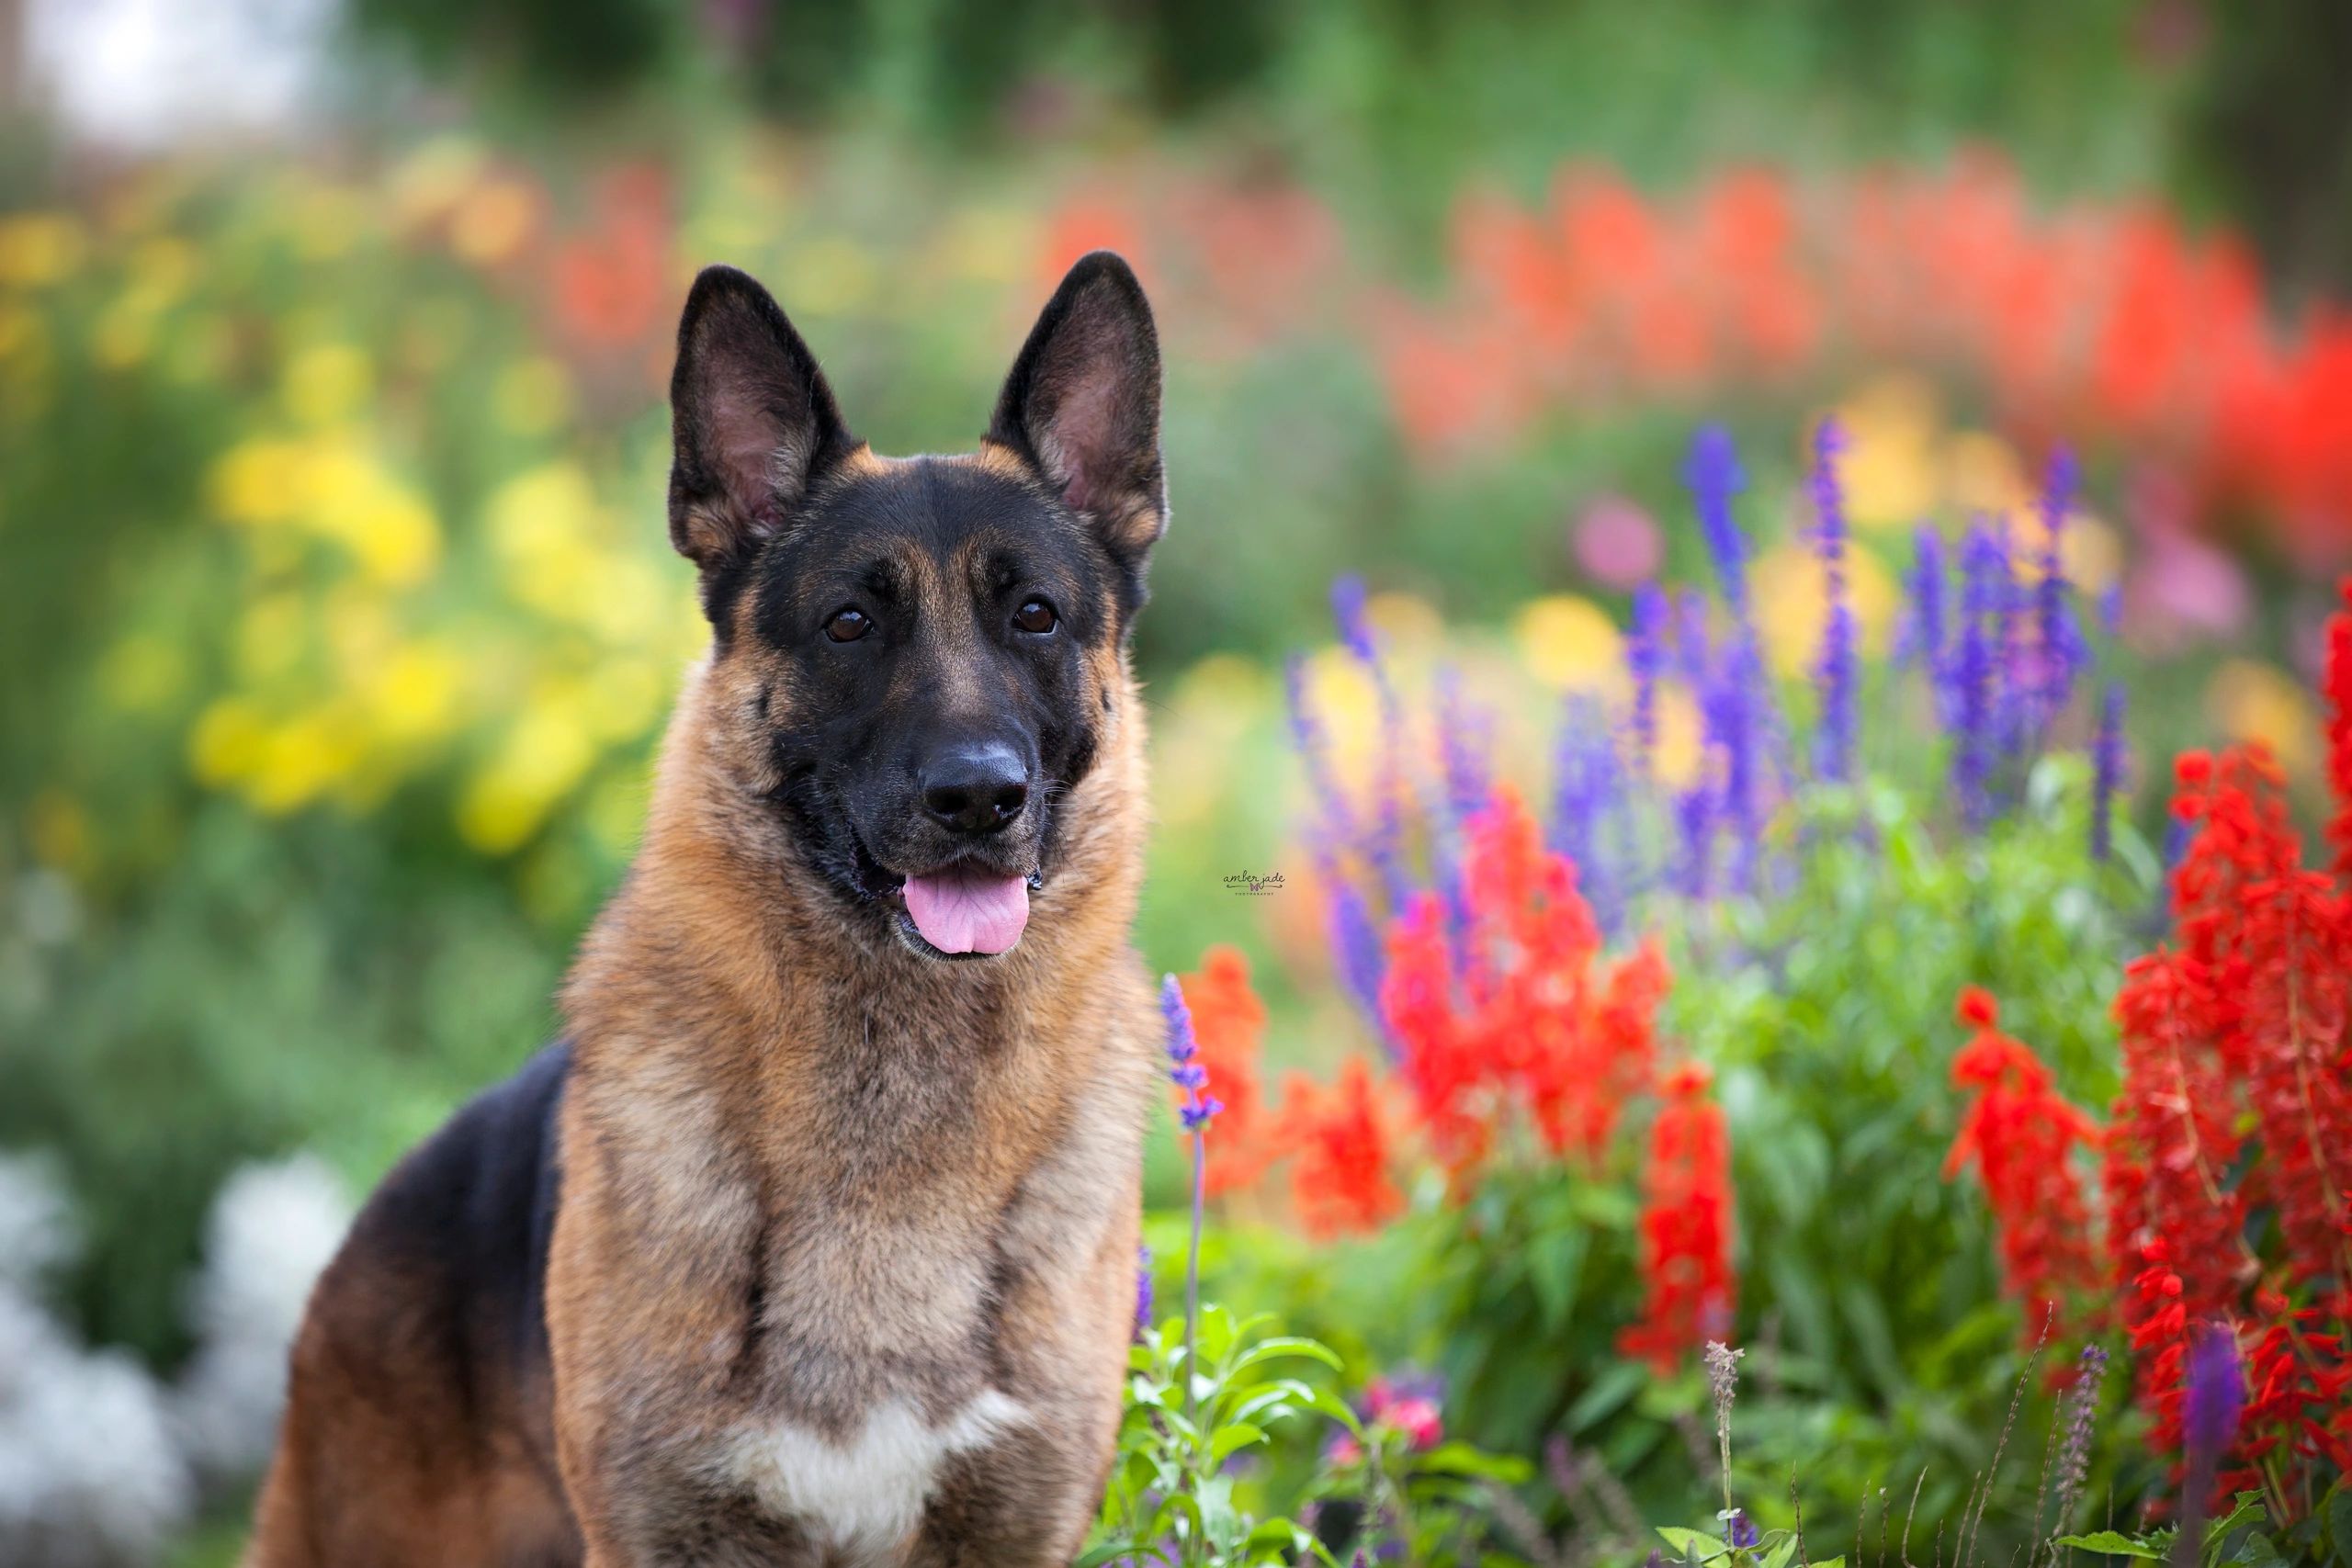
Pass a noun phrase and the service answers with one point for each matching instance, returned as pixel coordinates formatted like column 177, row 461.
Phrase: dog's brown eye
column 1036, row 615
column 848, row 626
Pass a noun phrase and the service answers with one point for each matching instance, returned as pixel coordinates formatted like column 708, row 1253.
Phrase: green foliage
column 1191, row 1408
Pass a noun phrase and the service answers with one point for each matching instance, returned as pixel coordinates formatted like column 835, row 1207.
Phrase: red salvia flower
column 1339, row 1178
column 1229, row 1023
column 2337, row 681
column 1688, row 1290
column 1516, row 1008
column 2021, row 1135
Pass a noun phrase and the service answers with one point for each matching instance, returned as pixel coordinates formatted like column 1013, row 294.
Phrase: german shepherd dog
column 814, row 1240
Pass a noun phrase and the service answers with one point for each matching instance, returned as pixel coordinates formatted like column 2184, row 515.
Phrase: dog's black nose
column 975, row 789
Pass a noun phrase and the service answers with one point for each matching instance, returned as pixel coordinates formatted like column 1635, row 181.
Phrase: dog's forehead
column 936, row 507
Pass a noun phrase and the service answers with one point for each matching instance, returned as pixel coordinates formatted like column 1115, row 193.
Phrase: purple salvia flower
column 1694, row 818
column 1587, row 790
column 1184, row 1069
column 1922, row 642
column 1384, row 844
column 1734, row 728
column 1969, row 672
column 1713, row 476
column 1743, row 1535
column 2081, row 1428
column 1355, row 628
column 1690, row 638
column 2216, row 1393
column 1465, row 735
column 2107, row 769
column 1645, row 661
column 1834, row 673
column 1355, row 943
column 2061, row 648
column 1143, row 1290
column 2013, row 685
column 2210, row 1405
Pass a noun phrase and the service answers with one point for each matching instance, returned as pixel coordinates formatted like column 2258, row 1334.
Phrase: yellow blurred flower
column 326, row 383
column 1570, row 644
column 41, row 248
column 226, row 742
column 258, row 481
column 431, row 180
column 1792, row 603
column 412, row 696
column 540, row 759
column 1983, row 474
column 1208, row 712
column 1342, row 694
column 301, row 760
column 1682, row 737
column 532, row 396
column 494, row 221
column 1888, row 470
column 2247, row 700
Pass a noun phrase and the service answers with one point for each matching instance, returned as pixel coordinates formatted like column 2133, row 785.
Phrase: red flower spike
column 1339, row 1180
column 1688, row 1290
column 1229, row 1022
column 2021, row 1134
column 1517, row 1009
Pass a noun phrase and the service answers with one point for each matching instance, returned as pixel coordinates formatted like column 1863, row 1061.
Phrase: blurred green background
column 337, row 621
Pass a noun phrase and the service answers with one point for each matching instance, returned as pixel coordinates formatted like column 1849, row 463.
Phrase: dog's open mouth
column 965, row 909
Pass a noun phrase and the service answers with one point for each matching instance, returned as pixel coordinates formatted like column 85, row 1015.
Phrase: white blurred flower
column 274, row 1228
column 90, row 1474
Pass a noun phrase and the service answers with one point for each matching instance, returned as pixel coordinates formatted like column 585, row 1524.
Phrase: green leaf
column 1093, row 1557
column 1232, row 1440
column 2113, row 1543
column 1694, row 1544
column 1607, row 1395
column 2337, row 1511
column 1274, row 1349
column 1461, row 1459
column 1780, row 1554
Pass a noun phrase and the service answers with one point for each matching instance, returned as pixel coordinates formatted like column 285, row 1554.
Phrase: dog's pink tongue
column 957, row 912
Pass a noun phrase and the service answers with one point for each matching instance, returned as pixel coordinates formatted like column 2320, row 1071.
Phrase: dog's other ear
column 1083, row 406
column 753, row 422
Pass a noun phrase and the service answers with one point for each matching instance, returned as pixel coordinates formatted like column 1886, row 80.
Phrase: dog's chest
column 863, row 1493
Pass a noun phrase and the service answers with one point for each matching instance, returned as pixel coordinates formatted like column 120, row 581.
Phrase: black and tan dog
column 814, row 1242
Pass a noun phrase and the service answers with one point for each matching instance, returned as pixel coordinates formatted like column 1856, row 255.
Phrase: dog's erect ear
column 752, row 420
column 1083, row 406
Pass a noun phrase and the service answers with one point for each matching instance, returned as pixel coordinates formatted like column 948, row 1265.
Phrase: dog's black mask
column 936, row 638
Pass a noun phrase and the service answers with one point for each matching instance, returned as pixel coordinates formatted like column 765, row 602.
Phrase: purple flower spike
column 1183, row 1056
column 1834, row 671
column 1743, row 1535
column 2106, row 770
column 1713, row 475
column 1587, row 788
column 1347, row 608
column 1694, row 817
column 1922, row 642
column 2216, row 1395
column 1969, row 692
column 1143, row 1290
column 1645, row 661
column 2061, row 650
column 1355, row 941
